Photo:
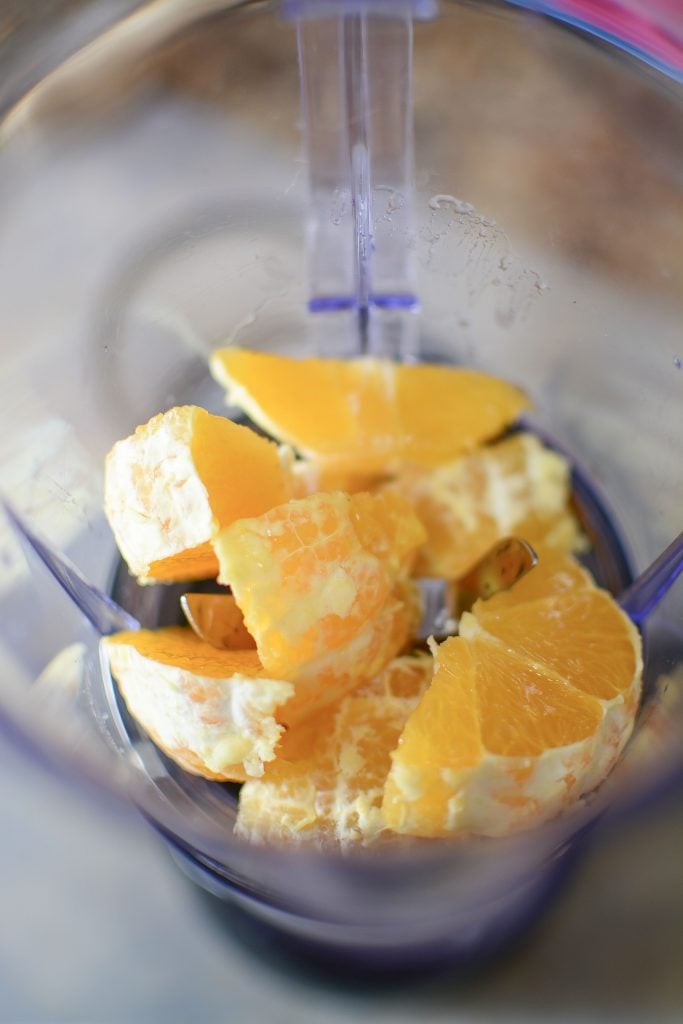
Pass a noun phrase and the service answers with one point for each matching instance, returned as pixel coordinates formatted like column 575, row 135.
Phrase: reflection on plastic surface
column 649, row 29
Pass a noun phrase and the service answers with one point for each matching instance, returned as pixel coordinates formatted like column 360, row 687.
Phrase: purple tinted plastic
column 101, row 611
column 421, row 9
column 643, row 596
column 651, row 30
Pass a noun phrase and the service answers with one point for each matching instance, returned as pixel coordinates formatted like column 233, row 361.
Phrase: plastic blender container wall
column 158, row 208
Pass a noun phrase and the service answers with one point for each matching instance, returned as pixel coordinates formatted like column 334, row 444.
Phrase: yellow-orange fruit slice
column 321, row 582
column 515, row 486
column 529, row 708
column 213, row 712
column 367, row 416
column 179, row 479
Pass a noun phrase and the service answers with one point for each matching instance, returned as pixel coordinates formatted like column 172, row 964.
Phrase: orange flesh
column 445, row 411
column 368, row 415
column 320, row 582
column 145, row 485
column 442, row 731
column 531, row 681
column 326, row 406
column 581, row 636
column 240, row 470
column 330, row 761
column 198, row 563
column 179, row 646
column 523, row 710
column 216, row 443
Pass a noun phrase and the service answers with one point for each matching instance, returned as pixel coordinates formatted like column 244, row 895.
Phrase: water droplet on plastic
column 436, row 202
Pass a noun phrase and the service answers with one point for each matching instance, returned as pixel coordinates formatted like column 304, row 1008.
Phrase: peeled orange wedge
column 322, row 584
column 367, row 416
column 327, row 780
column 529, row 709
column 177, row 480
column 213, row 712
column 515, row 486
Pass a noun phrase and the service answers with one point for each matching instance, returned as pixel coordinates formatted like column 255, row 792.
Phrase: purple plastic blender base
column 289, row 940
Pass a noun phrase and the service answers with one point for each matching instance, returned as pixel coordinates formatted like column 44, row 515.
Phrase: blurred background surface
column 99, row 927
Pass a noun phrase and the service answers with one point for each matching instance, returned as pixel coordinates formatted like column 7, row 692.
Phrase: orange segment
column 388, row 528
column 516, row 486
column 179, row 646
column 523, row 709
column 529, row 708
column 584, row 637
column 180, row 478
column 367, row 416
column 211, row 711
column 334, row 673
column 327, row 779
column 311, row 477
column 293, row 799
column 445, row 411
column 315, row 577
column 483, row 707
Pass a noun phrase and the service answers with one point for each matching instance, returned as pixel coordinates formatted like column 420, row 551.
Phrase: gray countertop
column 98, row 925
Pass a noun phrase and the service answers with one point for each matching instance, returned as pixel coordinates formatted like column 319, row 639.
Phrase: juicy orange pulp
column 515, row 486
column 168, row 491
column 316, row 577
column 327, row 781
column 367, row 416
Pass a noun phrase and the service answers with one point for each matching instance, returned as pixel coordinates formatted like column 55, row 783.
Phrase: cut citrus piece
column 213, row 712
column 529, row 709
column 326, row 781
column 317, row 580
column 310, row 477
column 292, row 800
column 180, row 478
column 516, row 486
column 333, row 674
column 367, row 416
column 584, row 637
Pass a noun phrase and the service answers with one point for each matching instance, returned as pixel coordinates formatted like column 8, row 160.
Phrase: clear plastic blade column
column 356, row 78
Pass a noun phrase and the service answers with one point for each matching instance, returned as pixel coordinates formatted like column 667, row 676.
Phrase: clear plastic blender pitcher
column 157, row 204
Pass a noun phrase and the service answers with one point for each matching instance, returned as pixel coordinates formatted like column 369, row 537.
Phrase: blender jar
column 157, row 206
